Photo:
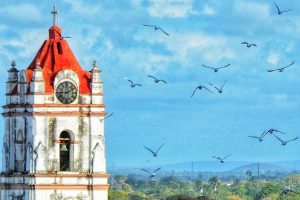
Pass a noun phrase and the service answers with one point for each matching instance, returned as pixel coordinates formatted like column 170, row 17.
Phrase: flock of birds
column 154, row 154
column 156, row 80
column 260, row 138
column 272, row 132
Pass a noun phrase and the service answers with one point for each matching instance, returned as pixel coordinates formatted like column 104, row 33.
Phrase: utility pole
column 258, row 171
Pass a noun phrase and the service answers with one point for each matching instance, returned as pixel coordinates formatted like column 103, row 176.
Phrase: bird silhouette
column 216, row 69
column 221, row 159
column 156, row 80
column 249, row 45
column 154, row 153
column 271, row 131
column 157, row 28
column 133, row 84
column 61, row 37
column 279, row 12
column 220, row 90
column 101, row 120
column 152, row 174
column 284, row 142
column 260, row 138
column 200, row 87
column 280, row 69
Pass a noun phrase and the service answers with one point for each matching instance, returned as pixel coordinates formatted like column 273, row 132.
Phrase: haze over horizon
column 207, row 32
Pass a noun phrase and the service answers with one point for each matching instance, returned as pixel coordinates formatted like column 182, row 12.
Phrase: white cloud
column 85, row 9
column 252, row 9
column 27, row 44
column 290, row 47
column 136, row 3
column 89, row 43
column 170, row 8
column 21, row 47
column 273, row 58
column 91, row 37
column 157, row 58
column 143, row 59
column 22, row 12
column 208, row 10
column 211, row 48
column 188, row 48
column 283, row 100
column 215, row 54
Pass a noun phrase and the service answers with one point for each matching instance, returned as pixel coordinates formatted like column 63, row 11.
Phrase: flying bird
column 221, row 159
column 152, row 174
column 285, row 142
column 61, row 37
column 249, row 45
column 220, row 90
column 200, row 87
column 156, row 80
column 279, row 12
column 157, row 28
column 216, row 69
column 280, row 69
column 101, row 120
column 260, row 138
column 133, row 84
column 271, row 131
column 154, row 153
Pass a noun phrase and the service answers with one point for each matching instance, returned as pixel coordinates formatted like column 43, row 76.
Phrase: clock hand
column 65, row 91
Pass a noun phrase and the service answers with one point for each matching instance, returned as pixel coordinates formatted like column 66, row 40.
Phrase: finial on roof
column 54, row 12
column 13, row 64
column 95, row 64
column 38, row 64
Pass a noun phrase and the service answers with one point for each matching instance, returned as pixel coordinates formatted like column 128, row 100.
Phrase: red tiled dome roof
column 56, row 55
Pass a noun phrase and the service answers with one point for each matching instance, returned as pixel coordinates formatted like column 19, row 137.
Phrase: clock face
column 66, row 92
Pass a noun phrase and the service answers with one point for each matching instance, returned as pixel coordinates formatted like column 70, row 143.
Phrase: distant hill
column 210, row 168
column 293, row 165
column 204, row 166
column 263, row 168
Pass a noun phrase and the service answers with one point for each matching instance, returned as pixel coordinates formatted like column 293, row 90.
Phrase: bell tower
column 53, row 143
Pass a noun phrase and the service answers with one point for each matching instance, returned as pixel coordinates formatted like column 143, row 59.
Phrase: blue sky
column 201, row 32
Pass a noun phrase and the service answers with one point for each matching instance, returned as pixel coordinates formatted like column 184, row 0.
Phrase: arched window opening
column 65, row 149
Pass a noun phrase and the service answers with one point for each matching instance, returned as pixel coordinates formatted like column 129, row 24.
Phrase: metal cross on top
column 55, row 15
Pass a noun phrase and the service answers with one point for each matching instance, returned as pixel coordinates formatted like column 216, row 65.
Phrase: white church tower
column 53, row 144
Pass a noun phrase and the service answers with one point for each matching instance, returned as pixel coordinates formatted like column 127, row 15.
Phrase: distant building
column 53, row 145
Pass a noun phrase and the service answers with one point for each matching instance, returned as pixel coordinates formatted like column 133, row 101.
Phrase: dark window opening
column 64, row 149
column 59, row 49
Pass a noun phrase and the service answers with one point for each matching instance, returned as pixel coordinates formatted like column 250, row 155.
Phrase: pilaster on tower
column 12, row 78
column 37, row 85
column 96, row 84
